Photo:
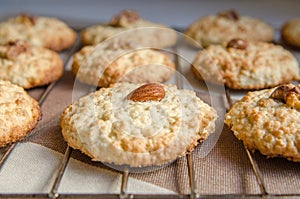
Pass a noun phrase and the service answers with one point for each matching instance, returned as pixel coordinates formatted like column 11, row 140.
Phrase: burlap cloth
column 225, row 170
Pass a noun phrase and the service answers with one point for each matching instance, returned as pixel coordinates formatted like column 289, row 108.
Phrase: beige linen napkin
column 30, row 169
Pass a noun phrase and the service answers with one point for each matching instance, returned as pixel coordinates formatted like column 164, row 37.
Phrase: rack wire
column 126, row 173
column 253, row 163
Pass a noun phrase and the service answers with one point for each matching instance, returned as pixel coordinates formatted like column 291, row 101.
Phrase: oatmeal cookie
column 132, row 27
column 41, row 31
column 137, row 125
column 242, row 64
column 118, row 61
column 19, row 113
column 227, row 25
column 29, row 66
column 268, row 121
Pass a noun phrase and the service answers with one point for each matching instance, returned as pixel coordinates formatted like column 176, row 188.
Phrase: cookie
column 227, row 25
column 269, row 121
column 132, row 27
column 29, row 66
column 19, row 113
column 137, row 125
column 118, row 61
column 39, row 31
column 290, row 32
column 242, row 64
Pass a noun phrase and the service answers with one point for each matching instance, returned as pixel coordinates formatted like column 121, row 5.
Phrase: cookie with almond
column 128, row 25
column 138, row 124
column 243, row 64
column 227, row 25
column 39, row 31
column 268, row 121
column 29, row 66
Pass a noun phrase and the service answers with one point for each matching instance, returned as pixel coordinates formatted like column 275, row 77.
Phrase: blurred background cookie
column 19, row 113
column 134, row 28
column 290, row 32
column 119, row 61
column 29, row 66
column 269, row 121
column 42, row 31
column 243, row 64
column 138, row 125
column 227, row 25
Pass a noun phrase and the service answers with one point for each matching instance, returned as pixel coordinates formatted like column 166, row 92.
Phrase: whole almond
column 27, row 19
column 125, row 18
column 147, row 92
column 230, row 14
column 15, row 48
column 288, row 94
column 237, row 44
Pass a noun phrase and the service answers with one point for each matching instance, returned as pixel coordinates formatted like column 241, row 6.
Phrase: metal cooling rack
column 124, row 194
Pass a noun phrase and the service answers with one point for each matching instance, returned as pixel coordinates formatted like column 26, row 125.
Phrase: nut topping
column 147, row 92
column 15, row 48
column 125, row 18
column 238, row 44
column 230, row 14
column 27, row 19
column 289, row 94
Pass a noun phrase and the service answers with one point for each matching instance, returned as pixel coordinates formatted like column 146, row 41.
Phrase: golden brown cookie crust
column 29, row 66
column 121, row 62
column 227, row 25
column 20, row 113
column 41, row 31
column 132, row 27
column 267, row 124
column 107, row 122
column 252, row 65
